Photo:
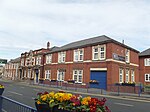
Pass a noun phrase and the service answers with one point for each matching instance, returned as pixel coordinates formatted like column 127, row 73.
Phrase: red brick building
column 32, row 64
column 144, row 70
column 99, row 59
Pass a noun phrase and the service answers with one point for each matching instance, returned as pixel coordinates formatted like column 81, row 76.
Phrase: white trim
column 69, row 62
column 134, row 64
column 54, row 63
column 122, row 62
column 86, row 61
column 98, row 69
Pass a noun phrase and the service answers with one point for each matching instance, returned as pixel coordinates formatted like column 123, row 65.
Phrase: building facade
column 32, row 64
column 99, row 59
column 11, row 70
column 144, row 70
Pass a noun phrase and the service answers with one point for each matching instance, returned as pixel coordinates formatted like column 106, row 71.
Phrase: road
column 26, row 94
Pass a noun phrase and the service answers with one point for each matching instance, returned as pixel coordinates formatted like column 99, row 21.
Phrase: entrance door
column 36, row 76
column 100, row 78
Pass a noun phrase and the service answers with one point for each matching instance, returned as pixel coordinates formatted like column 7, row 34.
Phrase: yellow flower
column 38, row 102
column 51, row 101
column 51, row 94
column 43, row 97
column 85, row 100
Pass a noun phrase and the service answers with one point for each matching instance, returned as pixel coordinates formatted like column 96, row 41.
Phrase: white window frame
column 127, row 75
column 48, row 58
column 147, row 76
column 147, row 61
column 78, row 56
column 61, row 57
column 121, row 75
column 22, row 62
column 127, row 56
column 132, row 76
column 100, row 52
column 48, row 74
column 78, row 74
column 29, row 73
column 60, row 75
column 38, row 60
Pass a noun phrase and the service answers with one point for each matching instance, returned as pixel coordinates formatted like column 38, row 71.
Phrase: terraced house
column 98, row 59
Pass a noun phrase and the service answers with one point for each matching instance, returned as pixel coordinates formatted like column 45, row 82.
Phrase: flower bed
column 1, row 89
column 67, row 102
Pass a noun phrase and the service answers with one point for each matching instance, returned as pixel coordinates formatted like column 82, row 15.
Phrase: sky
column 29, row 24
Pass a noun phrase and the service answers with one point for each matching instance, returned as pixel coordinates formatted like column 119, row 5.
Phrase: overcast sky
column 30, row 24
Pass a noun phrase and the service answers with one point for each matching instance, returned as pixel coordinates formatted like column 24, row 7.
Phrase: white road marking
column 36, row 89
column 21, row 87
column 3, row 110
column 15, row 93
column 123, row 104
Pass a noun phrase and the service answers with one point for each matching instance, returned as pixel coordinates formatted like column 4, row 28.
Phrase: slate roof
column 17, row 60
column 89, row 42
column 145, row 53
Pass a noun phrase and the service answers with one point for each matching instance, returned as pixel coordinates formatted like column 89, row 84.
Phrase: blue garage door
column 100, row 77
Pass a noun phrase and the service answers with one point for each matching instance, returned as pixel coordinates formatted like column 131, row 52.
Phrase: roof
column 89, row 42
column 145, row 53
column 17, row 60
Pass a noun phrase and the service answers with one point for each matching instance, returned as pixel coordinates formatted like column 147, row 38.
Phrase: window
column 60, row 75
column 22, row 62
column 147, row 61
column 38, row 60
column 33, row 61
column 99, row 52
column 47, row 74
column 127, row 55
column 77, row 76
column 147, row 77
column 127, row 75
column 61, row 57
column 78, row 55
column 132, row 76
column 29, row 73
column 121, row 75
column 48, row 59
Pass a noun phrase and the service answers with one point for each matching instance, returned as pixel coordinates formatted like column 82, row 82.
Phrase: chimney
column 122, row 41
column 48, row 45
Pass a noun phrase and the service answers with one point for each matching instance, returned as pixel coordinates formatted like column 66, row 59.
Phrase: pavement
column 84, row 91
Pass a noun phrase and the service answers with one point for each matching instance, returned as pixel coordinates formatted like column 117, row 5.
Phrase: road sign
column 3, row 61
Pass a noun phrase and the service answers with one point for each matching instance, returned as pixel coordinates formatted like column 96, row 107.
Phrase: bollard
column 118, row 90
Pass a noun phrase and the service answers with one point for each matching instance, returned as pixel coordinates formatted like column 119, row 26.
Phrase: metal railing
column 9, row 105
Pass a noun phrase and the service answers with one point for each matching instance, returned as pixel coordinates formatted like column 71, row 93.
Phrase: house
column 11, row 70
column 99, row 59
column 32, row 64
column 144, row 69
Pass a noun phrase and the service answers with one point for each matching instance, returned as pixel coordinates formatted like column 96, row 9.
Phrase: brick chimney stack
column 48, row 45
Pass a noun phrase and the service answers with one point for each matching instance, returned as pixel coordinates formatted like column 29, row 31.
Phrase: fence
column 9, row 105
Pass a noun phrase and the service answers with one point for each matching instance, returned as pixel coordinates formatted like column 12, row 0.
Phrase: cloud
column 26, row 24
